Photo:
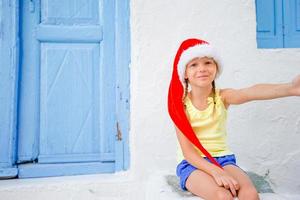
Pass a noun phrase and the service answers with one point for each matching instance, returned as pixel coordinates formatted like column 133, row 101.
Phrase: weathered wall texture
column 264, row 135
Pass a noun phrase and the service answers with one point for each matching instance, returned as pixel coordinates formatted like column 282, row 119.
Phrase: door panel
column 69, row 102
column 269, row 23
column 292, row 23
column 70, row 12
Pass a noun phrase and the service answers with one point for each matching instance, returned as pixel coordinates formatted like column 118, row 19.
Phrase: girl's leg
column 204, row 186
column 247, row 190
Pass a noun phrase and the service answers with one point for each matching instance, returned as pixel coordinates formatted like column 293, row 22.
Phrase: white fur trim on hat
column 200, row 50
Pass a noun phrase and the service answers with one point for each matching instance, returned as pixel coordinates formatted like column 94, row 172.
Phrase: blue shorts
column 184, row 169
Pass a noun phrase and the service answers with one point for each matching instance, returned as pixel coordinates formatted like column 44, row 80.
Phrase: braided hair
column 214, row 90
column 186, row 88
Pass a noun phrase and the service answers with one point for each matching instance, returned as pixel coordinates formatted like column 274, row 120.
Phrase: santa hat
column 188, row 50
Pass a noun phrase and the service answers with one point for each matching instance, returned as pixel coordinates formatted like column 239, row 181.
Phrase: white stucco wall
column 264, row 135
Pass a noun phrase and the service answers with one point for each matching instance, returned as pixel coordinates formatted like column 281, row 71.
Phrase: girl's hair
column 186, row 88
column 214, row 90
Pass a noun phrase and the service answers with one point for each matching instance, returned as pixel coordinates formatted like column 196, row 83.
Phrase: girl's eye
column 193, row 65
column 208, row 62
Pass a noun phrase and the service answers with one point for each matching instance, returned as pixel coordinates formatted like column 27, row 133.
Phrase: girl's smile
column 202, row 76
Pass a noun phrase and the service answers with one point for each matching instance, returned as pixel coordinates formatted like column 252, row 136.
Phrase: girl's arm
column 261, row 92
column 220, row 176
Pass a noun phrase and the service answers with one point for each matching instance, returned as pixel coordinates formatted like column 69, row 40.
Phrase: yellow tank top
column 209, row 126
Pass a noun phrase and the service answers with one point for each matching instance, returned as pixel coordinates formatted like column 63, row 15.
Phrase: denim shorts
column 184, row 169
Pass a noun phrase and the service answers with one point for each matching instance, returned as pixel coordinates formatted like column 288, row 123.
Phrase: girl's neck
column 200, row 93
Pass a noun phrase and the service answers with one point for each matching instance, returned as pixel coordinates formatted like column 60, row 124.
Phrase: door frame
column 123, row 55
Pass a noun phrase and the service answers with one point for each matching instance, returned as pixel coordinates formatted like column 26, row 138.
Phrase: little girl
column 207, row 167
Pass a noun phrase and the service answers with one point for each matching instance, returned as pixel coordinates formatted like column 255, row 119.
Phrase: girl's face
column 201, row 72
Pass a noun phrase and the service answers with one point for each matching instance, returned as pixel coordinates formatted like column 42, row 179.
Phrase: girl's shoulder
column 222, row 92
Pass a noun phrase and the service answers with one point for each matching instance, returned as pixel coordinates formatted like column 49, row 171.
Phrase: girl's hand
column 223, row 179
column 295, row 88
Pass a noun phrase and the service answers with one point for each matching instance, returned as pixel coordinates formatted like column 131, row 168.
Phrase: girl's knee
column 223, row 195
column 248, row 193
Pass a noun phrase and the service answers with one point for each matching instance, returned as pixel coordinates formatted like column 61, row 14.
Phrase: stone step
column 164, row 186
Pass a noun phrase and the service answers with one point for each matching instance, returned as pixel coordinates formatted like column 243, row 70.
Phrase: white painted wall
column 264, row 135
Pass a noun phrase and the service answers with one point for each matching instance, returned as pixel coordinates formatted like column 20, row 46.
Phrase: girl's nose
column 201, row 68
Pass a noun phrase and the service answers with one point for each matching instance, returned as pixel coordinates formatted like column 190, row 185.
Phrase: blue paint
column 278, row 24
column 269, row 33
column 50, row 33
column 74, row 88
column 8, row 87
column 28, row 111
column 108, row 79
column 45, row 170
column 82, row 12
column 291, row 15
column 123, row 81
column 68, row 102
column 75, row 116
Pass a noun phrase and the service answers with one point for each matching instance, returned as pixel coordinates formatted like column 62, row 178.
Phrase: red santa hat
column 189, row 49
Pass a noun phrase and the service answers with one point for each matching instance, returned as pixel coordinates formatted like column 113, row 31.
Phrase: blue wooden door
column 67, row 104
